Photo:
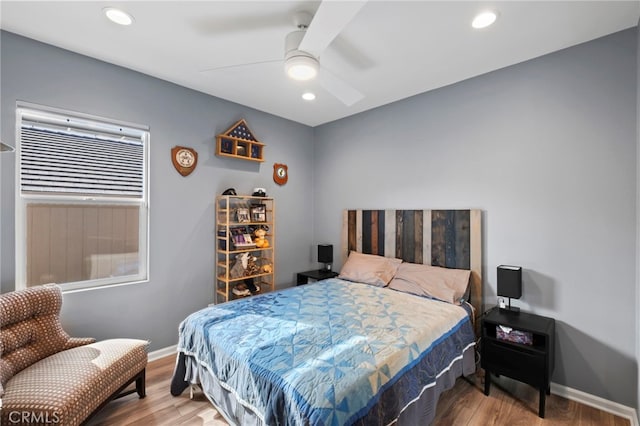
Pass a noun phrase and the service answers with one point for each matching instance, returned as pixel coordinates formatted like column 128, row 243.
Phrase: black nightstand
column 531, row 364
column 316, row 274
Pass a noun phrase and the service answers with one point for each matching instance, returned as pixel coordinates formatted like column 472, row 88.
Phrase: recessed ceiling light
column 484, row 19
column 308, row 96
column 118, row 16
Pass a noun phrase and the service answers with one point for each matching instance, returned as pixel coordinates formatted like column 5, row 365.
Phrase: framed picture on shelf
column 256, row 151
column 242, row 215
column 241, row 238
column 259, row 213
column 226, row 146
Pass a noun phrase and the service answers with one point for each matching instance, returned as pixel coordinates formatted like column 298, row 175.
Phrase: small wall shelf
column 239, row 142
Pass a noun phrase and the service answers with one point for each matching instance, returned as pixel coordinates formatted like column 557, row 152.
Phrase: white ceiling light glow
column 484, row 19
column 308, row 96
column 301, row 67
column 118, row 16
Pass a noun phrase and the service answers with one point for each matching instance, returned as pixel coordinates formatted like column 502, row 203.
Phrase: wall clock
column 184, row 159
column 280, row 173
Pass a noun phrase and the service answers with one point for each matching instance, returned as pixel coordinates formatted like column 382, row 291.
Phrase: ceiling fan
column 305, row 45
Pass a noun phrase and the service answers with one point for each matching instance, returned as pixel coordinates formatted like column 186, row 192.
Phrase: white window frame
column 21, row 200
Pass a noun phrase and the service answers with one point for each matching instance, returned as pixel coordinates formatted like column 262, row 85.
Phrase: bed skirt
column 421, row 410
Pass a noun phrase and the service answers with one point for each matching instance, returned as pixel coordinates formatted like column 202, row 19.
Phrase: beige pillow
column 449, row 285
column 369, row 269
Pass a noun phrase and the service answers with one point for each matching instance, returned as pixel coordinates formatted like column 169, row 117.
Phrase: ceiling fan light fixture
column 301, row 67
column 484, row 19
column 118, row 16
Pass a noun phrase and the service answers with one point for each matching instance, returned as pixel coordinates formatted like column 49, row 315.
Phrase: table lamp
column 510, row 284
column 325, row 255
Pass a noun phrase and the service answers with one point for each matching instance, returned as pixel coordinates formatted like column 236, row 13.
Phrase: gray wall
column 182, row 221
column 547, row 149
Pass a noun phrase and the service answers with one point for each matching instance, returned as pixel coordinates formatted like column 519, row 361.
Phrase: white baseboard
column 560, row 390
column 161, row 353
column 596, row 402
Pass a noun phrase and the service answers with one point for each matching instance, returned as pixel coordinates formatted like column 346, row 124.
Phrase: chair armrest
column 78, row 341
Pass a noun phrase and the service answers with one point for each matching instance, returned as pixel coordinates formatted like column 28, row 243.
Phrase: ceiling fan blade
column 224, row 67
column 330, row 19
column 343, row 91
column 350, row 54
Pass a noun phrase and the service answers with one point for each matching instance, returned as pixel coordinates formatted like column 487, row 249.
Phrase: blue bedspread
column 326, row 353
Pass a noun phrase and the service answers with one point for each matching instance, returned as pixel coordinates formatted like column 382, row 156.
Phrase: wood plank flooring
column 510, row 403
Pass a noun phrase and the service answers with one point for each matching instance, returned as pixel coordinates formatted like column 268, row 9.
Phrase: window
column 82, row 203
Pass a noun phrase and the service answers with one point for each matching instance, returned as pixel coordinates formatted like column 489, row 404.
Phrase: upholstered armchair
column 30, row 329
column 46, row 374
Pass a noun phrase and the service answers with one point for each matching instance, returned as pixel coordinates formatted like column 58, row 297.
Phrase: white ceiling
column 390, row 50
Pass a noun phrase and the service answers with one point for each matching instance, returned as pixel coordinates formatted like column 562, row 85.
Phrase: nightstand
column 528, row 363
column 316, row 275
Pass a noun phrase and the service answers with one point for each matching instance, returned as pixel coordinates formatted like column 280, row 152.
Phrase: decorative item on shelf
column 184, row 159
column 265, row 265
column 509, row 334
column 325, row 255
column 222, row 239
column 252, row 266
column 280, row 173
column 241, row 290
column 242, row 238
column 261, row 241
column 229, row 191
column 242, row 215
column 510, row 285
column 253, row 288
column 239, row 142
column 237, row 270
column 259, row 192
column 258, row 213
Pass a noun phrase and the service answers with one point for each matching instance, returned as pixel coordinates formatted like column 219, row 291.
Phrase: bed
column 360, row 349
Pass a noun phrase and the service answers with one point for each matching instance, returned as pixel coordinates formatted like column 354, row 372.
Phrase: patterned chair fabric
column 47, row 375
column 30, row 329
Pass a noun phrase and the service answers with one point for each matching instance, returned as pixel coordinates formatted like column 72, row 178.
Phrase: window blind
column 79, row 162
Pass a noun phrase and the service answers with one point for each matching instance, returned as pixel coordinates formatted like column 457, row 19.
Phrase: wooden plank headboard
column 447, row 238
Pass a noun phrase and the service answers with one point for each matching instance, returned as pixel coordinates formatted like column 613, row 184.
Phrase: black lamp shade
column 510, row 281
column 325, row 253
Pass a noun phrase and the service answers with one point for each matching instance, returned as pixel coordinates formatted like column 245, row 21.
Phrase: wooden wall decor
column 280, row 173
column 184, row 159
column 239, row 142
column 446, row 238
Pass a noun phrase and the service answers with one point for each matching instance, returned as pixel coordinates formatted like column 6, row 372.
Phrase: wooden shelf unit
column 239, row 142
column 226, row 222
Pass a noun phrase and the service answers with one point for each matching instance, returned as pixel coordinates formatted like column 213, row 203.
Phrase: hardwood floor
column 510, row 403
